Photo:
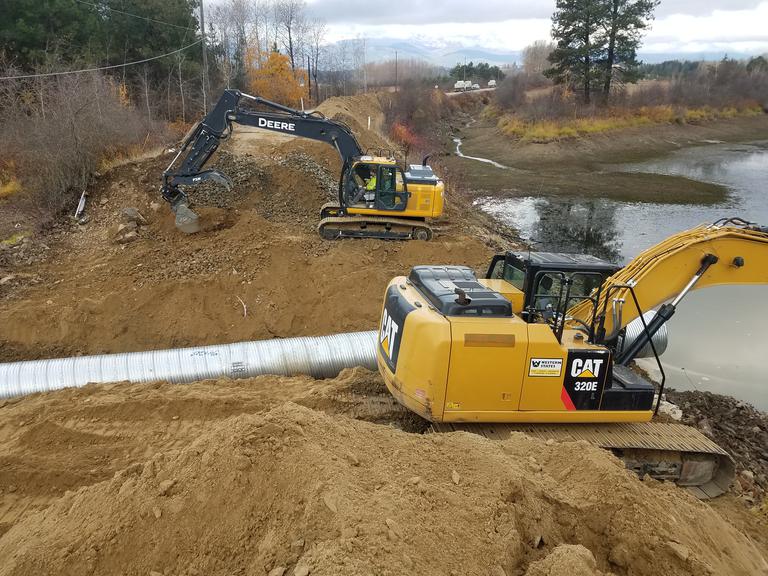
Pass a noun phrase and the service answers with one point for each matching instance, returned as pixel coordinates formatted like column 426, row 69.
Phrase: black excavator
column 376, row 197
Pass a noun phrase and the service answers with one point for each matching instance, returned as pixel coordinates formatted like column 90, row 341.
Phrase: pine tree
column 576, row 27
column 595, row 36
column 626, row 20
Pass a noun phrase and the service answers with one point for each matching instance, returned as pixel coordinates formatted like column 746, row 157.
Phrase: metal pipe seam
column 317, row 356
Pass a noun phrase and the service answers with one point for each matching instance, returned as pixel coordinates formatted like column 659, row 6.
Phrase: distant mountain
column 446, row 54
column 449, row 53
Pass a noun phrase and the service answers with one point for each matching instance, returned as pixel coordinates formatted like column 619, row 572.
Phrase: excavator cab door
column 391, row 193
column 388, row 194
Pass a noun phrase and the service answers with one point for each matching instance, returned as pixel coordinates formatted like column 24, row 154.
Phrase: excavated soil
column 290, row 476
column 285, row 476
column 258, row 270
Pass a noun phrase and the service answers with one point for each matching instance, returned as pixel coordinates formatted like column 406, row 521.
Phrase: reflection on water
column 716, row 338
column 618, row 230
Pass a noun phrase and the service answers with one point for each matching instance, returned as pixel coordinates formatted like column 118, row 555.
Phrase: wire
column 196, row 42
column 132, row 15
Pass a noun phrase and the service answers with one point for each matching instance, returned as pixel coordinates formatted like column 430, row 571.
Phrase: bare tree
column 316, row 37
column 535, row 56
column 292, row 23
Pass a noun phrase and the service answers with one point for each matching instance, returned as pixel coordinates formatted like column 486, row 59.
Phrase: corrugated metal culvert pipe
column 321, row 357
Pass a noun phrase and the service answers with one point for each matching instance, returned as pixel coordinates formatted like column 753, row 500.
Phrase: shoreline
column 582, row 166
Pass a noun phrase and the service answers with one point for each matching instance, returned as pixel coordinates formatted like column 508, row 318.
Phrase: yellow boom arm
column 670, row 268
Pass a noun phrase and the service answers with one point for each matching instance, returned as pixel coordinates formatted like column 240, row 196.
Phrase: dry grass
column 9, row 188
column 542, row 131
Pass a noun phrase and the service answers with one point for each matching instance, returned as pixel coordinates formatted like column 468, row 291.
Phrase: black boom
column 203, row 141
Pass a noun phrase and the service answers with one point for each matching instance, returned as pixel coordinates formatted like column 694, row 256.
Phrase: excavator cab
column 375, row 184
column 542, row 285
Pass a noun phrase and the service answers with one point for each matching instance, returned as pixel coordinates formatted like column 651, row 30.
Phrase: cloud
column 681, row 26
column 409, row 12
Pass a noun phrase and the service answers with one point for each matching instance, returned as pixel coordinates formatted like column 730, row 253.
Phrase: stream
column 718, row 336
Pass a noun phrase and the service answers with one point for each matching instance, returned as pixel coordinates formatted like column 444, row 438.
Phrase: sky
column 681, row 26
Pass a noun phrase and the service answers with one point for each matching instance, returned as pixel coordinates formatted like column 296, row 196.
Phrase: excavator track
column 673, row 452
column 336, row 227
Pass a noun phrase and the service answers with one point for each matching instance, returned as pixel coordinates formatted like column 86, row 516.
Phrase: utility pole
column 395, row 70
column 205, row 57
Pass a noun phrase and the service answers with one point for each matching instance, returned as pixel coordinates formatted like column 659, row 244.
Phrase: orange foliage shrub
column 273, row 79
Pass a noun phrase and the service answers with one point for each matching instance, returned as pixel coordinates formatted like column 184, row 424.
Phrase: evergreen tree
column 577, row 27
column 593, row 38
column 625, row 23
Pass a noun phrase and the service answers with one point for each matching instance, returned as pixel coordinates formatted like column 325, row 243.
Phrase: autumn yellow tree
column 270, row 76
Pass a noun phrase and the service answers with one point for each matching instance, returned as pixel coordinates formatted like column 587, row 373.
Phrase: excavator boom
column 731, row 252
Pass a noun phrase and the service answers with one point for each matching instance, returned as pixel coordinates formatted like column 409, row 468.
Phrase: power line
column 195, row 43
column 132, row 15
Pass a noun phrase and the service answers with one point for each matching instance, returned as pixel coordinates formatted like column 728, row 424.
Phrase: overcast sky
column 733, row 26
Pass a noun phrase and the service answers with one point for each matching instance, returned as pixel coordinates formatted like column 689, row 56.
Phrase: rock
column 165, row 487
column 550, row 442
column 155, row 206
column 394, row 527
column 671, row 410
column 132, row 215
column 157, row 512
column 126, row 227
column 103, row 201
column 455, row 477
column 6, row 279
column 498, row 571
column 330, row 503
column 155, row 573
column 748, row 475
column 619, row 555
column 277, row 571
column 414, row 480
column 302, row 570
column 128, row 238
column 679, row 550
column 298, row 544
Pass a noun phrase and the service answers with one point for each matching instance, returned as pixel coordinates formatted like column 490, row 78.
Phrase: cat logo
column 388, row 334
column 586, row 368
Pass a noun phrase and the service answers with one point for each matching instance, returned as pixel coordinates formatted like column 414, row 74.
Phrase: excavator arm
column 731, row 251
column 204, row 139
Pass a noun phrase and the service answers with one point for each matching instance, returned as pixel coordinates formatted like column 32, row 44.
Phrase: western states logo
column 545, row 367
column 276, row 125
column 388, row 334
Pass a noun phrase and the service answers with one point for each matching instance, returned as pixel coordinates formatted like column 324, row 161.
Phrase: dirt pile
column 258, row 269
column 739, row 428
column 229, row 478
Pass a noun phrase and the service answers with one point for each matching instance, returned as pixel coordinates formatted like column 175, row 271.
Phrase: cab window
column 514, row 275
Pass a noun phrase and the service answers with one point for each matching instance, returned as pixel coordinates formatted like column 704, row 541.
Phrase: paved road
column 451, row 94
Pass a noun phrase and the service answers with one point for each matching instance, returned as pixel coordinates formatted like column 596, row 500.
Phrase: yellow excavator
column 377, row 198
column 544, row 344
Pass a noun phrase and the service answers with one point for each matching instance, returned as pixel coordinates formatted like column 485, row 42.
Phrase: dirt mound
column 228, row 478
column 258, row 269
